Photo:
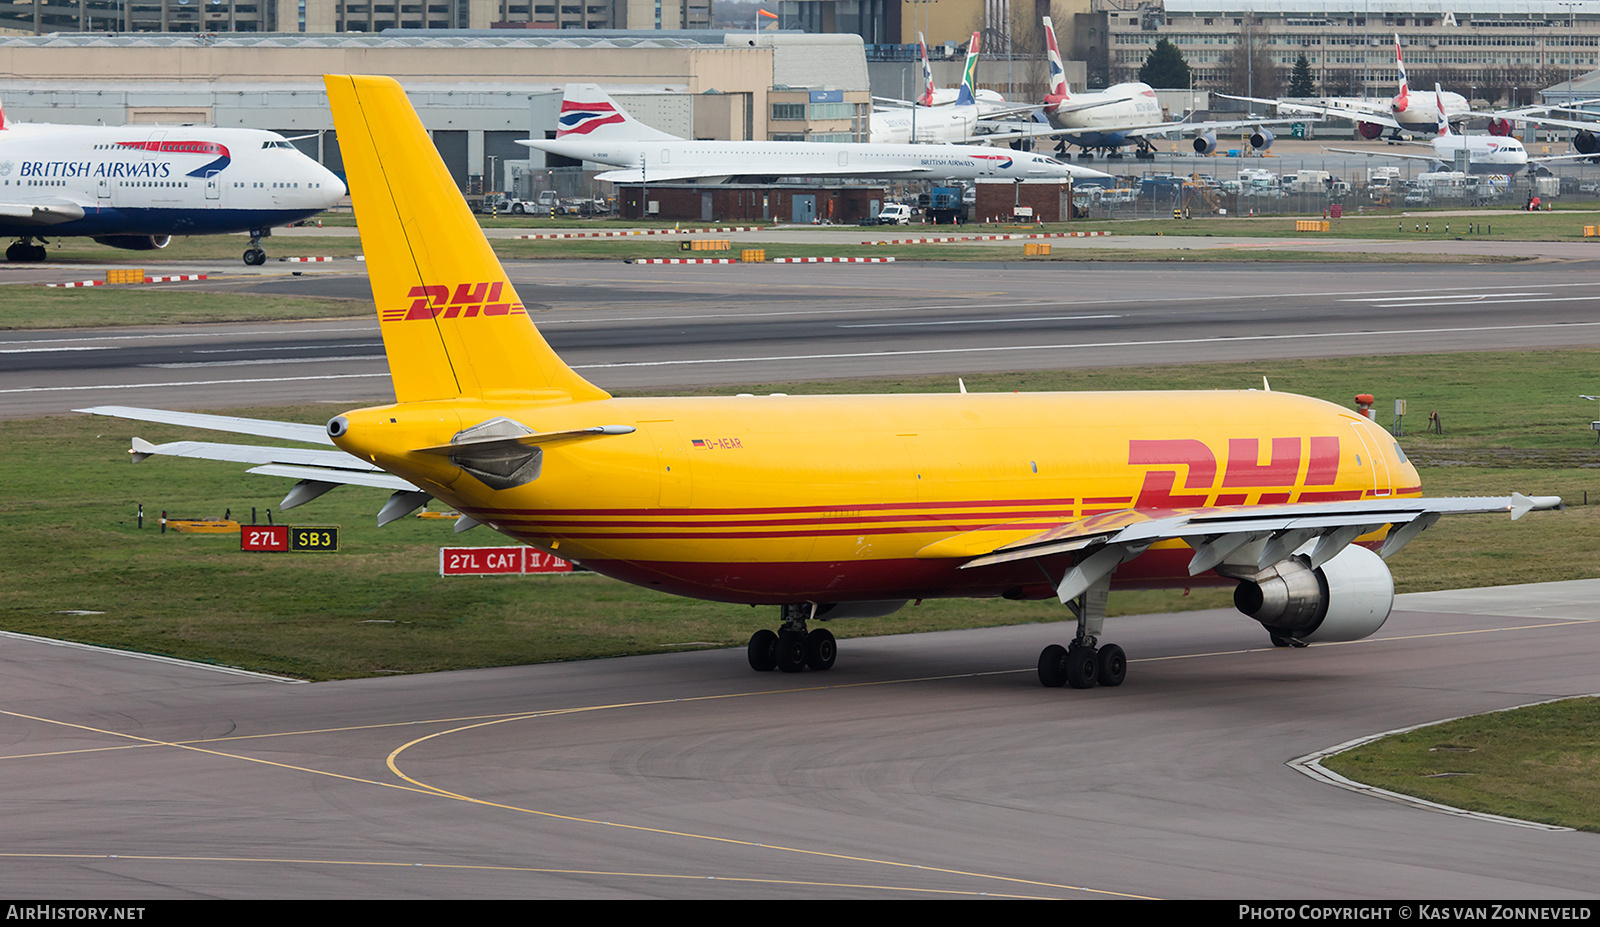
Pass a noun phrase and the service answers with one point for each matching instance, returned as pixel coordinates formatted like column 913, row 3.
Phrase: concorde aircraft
column 831, row 507
column 593, row 128
column 135, row 187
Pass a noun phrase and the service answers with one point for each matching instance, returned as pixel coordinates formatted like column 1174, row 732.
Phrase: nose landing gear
column 254, row 256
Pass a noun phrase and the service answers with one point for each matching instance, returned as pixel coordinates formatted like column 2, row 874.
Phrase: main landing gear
column 1085, row 662
column 792, row 648
column 254, row 256
column 25, row 251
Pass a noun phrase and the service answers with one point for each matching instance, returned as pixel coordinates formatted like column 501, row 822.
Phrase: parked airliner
column 1484, row 154
column 1407, row 110
column 1125, row 114
column 593, row 128
column 135, row 187
column 968, row 118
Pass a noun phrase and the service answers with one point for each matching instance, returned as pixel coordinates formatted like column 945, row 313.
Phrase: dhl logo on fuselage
column 1289, row 469
column 467, row 300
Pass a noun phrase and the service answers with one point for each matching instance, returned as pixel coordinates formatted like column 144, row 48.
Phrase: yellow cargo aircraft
column 832, row 506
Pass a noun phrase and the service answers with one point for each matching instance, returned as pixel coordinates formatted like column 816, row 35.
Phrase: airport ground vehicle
column 894, row 214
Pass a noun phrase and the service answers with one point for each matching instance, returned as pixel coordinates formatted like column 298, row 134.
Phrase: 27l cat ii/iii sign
column 498, row 561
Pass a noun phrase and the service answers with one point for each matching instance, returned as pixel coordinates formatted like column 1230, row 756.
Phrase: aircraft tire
column 821, row 649
column 1081, row 667
column 763, row 651
column 1052, row 668
column 17, row 252
column 255, row 257
column 1111, row 665
column 790, row 651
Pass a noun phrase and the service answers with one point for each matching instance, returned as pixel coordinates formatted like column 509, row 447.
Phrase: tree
column 1247, row 70
column 1165, row 67
column 1300, row 84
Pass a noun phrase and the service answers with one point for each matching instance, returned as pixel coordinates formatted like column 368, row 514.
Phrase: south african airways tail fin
column 966, row 96
column 453, row 325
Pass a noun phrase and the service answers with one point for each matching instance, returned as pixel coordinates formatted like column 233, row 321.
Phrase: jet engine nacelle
column 135, row 242
column 1205, row 144
column 1345, row 599
column 1261, row 139
column 1369, row 129
column 1500, row 127
column 1585, row 142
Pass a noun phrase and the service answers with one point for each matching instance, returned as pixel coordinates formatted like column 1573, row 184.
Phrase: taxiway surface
column 639, row 327
column 920, row 766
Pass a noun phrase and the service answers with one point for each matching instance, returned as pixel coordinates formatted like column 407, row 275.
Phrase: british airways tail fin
column 453, row 325
column 1402, row 97
column 927, row 72
column 1438, row 97
column 969, row 75
column 589, row 112
column 1058, row 71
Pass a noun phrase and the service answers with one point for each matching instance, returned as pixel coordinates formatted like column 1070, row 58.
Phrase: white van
column 895, row 214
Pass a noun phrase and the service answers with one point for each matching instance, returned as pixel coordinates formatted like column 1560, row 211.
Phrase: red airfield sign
column 498, row 561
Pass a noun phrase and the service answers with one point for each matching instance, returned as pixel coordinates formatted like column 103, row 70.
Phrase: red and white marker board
column 498, row 561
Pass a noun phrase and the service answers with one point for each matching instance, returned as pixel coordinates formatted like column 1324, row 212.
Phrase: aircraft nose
column 333, row 188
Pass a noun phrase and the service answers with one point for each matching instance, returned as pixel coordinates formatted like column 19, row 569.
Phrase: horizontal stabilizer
column 261, row 428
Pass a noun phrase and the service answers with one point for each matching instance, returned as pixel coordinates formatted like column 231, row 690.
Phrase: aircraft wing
column 661, row 175
column 42, row 214
column 1215, row 126
column 1243, row 536
column 1588, row 126
column 1343, row 110
column 1391, row 154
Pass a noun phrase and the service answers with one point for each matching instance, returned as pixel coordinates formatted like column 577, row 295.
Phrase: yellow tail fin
column 452, row 323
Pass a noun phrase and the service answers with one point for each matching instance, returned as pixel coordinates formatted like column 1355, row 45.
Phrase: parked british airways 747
column 135, row 187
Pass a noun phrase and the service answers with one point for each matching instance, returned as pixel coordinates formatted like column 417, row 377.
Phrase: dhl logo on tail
column 468, row 300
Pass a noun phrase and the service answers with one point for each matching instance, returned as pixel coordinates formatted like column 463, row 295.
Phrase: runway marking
column 394, row 767
column 1436, row 295
column 49, row 350
column 423, row 789
column 286, row 347
column 1037, row 318
column 185, row 365
column 167, row 336
column 480, row 867
column 1239, row 339
column 74, row 389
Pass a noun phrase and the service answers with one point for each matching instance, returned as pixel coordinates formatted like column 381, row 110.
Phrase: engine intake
column 1345, row 599
column 1585, row 142
column 1205, row 144
column 1369, row 129
column 1261, row 139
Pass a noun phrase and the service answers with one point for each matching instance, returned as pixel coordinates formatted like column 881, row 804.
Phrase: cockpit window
column 276, row 144
column 1400, row 453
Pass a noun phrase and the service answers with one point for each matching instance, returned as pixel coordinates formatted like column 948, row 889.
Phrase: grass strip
column 1540, row 763
column 69, row 538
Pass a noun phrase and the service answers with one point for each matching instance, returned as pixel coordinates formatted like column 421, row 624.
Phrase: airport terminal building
column 1492, row 49
column 477, row 92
